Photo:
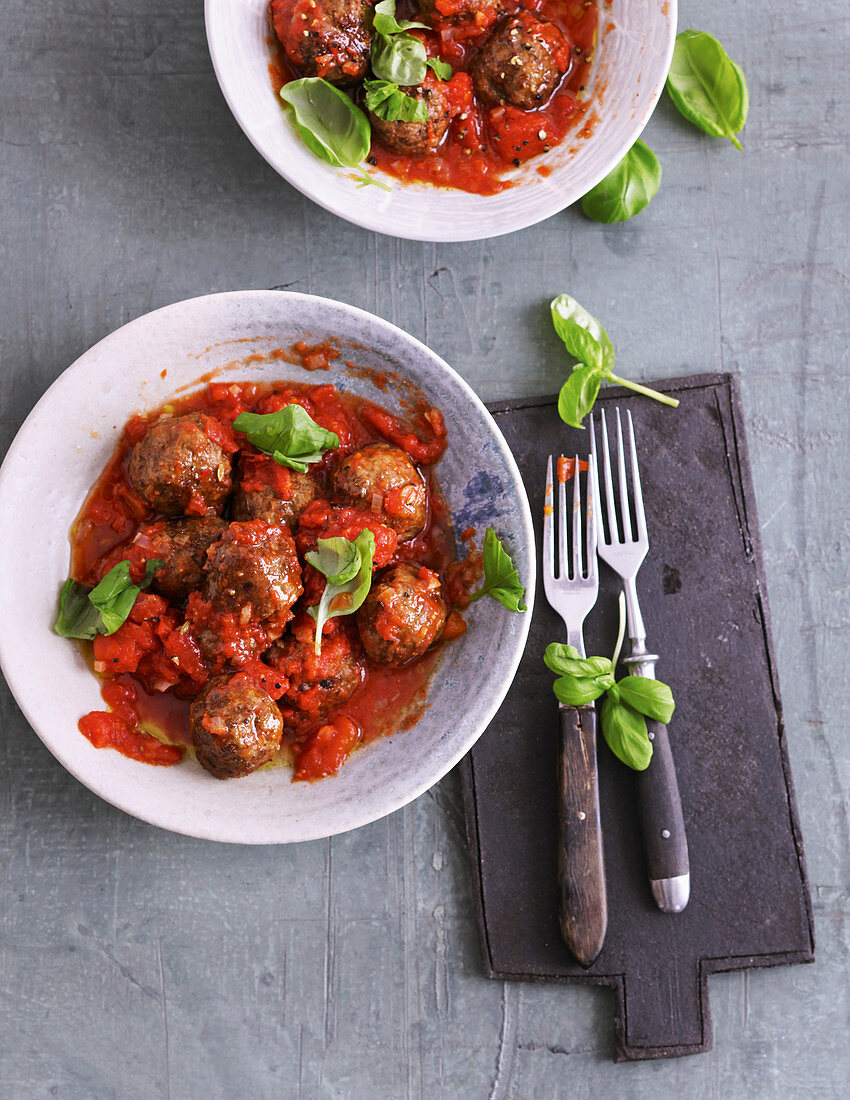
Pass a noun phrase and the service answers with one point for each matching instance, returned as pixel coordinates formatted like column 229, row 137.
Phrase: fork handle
column 583, row 902
column 664, row 838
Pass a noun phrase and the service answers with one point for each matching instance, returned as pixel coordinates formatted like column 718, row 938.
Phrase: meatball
column 483, row 13
column 235, row 726
column 417, row 138
column 403, row 614
column 327, row 38
column 522, row 64
column 181, row 544
column 383, row 477
column 254, row 570
column 317, row 683
column 281, row 500
column 177, row 467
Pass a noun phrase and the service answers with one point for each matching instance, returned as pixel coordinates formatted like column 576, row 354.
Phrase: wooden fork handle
column 663, row 824
column 583, row 903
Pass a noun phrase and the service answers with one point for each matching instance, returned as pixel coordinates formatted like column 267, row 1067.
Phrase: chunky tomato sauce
column 152, row 666
column 483, row 141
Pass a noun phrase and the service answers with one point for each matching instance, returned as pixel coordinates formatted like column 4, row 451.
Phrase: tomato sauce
column 152, row 666
column 482, row 142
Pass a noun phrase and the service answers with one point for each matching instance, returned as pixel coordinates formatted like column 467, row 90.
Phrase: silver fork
column 624, row 548
column 572, row 592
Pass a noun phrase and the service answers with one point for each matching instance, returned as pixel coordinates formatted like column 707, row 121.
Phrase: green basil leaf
column 649, row 697
column 337, row 558
column 328, row 122
column 625, row 731
column 399, row 59
column 501, row 579
column 707, row 86
column 578, row 394
column 574, row 692
column 584, row 337
column 627, row 190
column 385, row 22
column 356, row 588
column 290, row 435
column 565, row 661
column 85, row 612
column 441, row 69
column 387, row 101
column 78, row 617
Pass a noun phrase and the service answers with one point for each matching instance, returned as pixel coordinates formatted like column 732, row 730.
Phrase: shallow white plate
column 61, row 449
column 635, row 46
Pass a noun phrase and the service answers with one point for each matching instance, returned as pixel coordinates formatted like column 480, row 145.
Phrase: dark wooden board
column 703, row 597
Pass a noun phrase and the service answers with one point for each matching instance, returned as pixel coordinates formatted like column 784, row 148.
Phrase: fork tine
column 591, row 514
column 563, row 559
column 577, row 569
column 549, row 524
column 613, row 530
column 625, row 514
column 640, row 516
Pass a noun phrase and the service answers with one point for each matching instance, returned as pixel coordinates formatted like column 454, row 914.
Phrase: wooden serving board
column 703, row 597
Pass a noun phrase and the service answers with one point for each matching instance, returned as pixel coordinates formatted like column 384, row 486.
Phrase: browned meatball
column 383, row 477
column 177, row 467
column 484, row 13
column 254, row 570
column 327, row 38
column 403, row 614
column 181, row 544
column 278, row 496
column 417, row 138
column 522, row 64
column 235, row 726
column 317, row 683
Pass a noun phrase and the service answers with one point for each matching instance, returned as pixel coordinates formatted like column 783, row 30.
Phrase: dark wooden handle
column 661, row 810
column 581, row 865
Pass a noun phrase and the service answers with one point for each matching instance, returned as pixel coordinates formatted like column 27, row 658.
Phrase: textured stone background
column 136, row 964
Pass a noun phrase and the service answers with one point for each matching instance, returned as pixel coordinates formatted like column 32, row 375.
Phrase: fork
column 572, row 592
column 624, row 549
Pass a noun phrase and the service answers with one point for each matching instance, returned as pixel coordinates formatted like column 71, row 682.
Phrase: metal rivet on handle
column 665, row 833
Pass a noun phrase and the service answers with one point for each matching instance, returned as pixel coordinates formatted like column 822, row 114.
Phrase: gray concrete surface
column 136, row 964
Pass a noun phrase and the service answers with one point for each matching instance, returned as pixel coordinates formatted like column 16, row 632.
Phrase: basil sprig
column 389, row 102
column 625, row 708
column 627, row 189
column 85, row 612
column 330, row 124
column 399, row 57
column 347, row 565
column 501, row 579
column 707, row 86
column 290, row 435
column 588, row 342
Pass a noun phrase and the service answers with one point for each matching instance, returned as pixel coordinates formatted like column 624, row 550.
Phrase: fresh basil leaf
column 501, row 579
column 337, row 558
column 328, row 122
column 441, row 69
column 399, row 59
column 78, row 617
column 575, row 692
column 385, row 22
column 85, row 612
column 625, row 731
column 578, row 394
column 584, row 337
column 565, row 661
column 290, row 435
column 346, row 595
column 387, row 101
column 627, row 190
column 707, row 86
column 649, row 697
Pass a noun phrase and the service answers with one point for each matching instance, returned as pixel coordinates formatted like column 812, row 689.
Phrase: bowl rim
column 458, row 231
column 206, row 828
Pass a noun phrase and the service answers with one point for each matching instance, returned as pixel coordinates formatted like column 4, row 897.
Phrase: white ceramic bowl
column 635, row 45
column 61, row 449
